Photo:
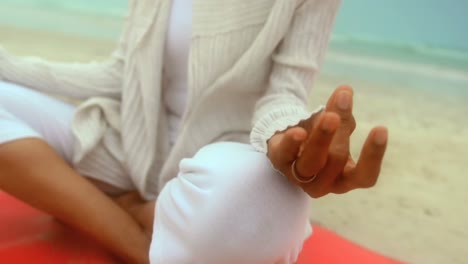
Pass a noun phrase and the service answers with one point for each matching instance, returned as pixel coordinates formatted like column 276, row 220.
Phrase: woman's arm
column 296, row 64
column 318, row 142
column 74, row 80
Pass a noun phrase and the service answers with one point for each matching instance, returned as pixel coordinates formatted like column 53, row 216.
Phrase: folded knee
column 236, row 208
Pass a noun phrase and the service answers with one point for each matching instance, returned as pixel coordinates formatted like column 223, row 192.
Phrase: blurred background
column 408, row 64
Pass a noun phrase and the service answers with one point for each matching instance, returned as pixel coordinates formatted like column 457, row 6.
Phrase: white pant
column 227, row 205
column 25, row 113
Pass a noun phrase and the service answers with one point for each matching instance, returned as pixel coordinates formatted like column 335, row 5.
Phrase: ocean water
column 97, row 19
column 412, row 65
column 97, row 7
column 357, row 39
column 423, row 42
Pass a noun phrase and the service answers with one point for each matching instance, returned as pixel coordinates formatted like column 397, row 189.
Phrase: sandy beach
column 417, row 212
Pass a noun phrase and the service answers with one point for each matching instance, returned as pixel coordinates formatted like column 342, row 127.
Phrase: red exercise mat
column 29, row 236
column 326, row 247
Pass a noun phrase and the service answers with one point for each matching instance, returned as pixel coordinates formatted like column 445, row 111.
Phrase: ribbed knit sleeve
column 74, row 80
column 296, row 63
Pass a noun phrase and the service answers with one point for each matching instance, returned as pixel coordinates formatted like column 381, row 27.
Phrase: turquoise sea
column 97, row 19
column 425, row 32
column 99, row 7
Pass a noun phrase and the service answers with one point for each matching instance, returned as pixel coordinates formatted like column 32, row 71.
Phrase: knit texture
column 251, row 69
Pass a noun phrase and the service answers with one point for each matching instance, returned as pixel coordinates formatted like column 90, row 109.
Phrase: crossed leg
column 35, row 154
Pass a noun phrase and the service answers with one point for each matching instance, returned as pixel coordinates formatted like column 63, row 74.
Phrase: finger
column 370, row 161
column 286, row 149
column 313, row 157
column 340, row 99
column 341, row 102
column 336, row 162
column 345, row 184
column 367, row 169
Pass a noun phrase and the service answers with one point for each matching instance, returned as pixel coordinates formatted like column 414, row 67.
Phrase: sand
column 417, row 212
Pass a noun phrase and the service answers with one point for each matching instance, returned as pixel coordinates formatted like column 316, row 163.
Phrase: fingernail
column 344, row 100
column 380, row 137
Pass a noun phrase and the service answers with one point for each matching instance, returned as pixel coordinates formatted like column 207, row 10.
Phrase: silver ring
column 299, row 178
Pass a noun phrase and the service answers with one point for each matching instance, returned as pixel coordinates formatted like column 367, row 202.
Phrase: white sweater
column 251, row 68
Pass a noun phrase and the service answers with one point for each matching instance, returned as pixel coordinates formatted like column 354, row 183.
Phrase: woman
column 224, row 151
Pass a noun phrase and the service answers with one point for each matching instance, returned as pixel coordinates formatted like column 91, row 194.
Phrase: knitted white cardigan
column 251, row 68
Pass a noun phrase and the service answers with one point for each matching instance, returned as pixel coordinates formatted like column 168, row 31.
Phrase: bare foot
column 142, row 211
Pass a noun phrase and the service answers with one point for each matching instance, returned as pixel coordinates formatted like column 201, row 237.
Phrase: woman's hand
column 320, row 146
